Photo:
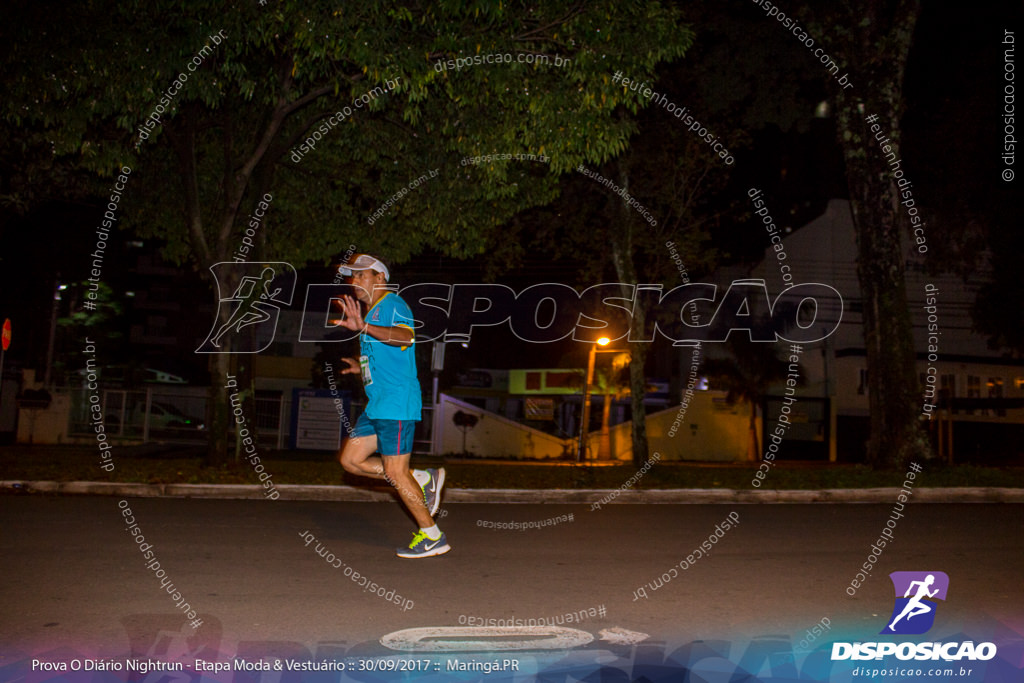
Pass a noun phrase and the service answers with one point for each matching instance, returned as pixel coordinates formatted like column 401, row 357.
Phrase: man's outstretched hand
column 353, row 318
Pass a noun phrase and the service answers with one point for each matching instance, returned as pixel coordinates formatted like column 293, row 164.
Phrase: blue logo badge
column 916, row 596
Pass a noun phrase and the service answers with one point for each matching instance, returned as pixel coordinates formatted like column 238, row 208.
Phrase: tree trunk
column 217, row 411
column 214, row 247
column 893, row 392
column 754, row 447
column 246, row 377
column 622, row 258
column 637, row 387
column 893, row 388
column 604, row 450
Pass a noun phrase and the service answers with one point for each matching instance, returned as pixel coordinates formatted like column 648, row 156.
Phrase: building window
column 974, row 391
column 931, row 391
column 947, row 389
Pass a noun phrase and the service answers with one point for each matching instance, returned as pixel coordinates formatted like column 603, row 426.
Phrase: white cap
column 364, row 262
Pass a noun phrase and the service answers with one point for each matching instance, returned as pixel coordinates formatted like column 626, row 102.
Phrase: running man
column 915, row 606
column 388, row 367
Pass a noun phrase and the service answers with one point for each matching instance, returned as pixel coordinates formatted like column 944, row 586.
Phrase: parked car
column 165, row 417
column 130, row 376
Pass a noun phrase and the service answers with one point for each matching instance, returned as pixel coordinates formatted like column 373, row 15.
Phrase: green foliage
column 269, row 77
column 748, row 373
column 91, row 313
column 103, row 309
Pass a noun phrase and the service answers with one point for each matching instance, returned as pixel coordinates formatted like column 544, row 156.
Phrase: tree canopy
column 212, row 104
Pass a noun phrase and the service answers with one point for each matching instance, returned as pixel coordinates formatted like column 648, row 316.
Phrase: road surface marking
column 485, row 638
column 621, row 636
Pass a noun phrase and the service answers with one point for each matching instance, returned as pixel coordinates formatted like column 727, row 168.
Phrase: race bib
column 364, row 367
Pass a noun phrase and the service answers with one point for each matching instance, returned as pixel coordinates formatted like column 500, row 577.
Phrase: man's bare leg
column 397, row 473
column 358, row 458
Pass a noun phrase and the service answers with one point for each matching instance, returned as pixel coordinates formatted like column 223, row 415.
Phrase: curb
column 598, row 497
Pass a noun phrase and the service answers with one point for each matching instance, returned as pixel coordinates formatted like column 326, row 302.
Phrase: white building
column 959, row 366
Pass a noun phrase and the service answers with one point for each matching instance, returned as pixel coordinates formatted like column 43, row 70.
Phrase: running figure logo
column 914, row 612
column 257, row 299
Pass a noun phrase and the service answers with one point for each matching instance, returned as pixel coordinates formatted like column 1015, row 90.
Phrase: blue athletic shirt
column 389, row 372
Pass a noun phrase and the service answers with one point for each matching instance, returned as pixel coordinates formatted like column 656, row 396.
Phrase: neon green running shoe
column 423, row 546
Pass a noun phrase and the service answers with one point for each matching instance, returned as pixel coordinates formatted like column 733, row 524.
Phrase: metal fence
column 170, row 414
column 177, row 414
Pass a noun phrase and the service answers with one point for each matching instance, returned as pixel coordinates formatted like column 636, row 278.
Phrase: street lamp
column 57, row 289
column 585, row 418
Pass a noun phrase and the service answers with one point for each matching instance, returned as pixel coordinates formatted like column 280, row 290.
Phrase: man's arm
column 392, row 336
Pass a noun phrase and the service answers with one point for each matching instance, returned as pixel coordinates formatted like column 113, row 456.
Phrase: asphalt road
column 74, row 578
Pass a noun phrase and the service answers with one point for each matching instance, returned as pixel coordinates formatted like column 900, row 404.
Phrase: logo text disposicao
column 949, row 652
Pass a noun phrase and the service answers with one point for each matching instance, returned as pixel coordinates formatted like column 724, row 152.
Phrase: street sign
column 318, row 418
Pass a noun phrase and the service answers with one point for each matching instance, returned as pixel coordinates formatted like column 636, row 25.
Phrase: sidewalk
column 602, row 497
